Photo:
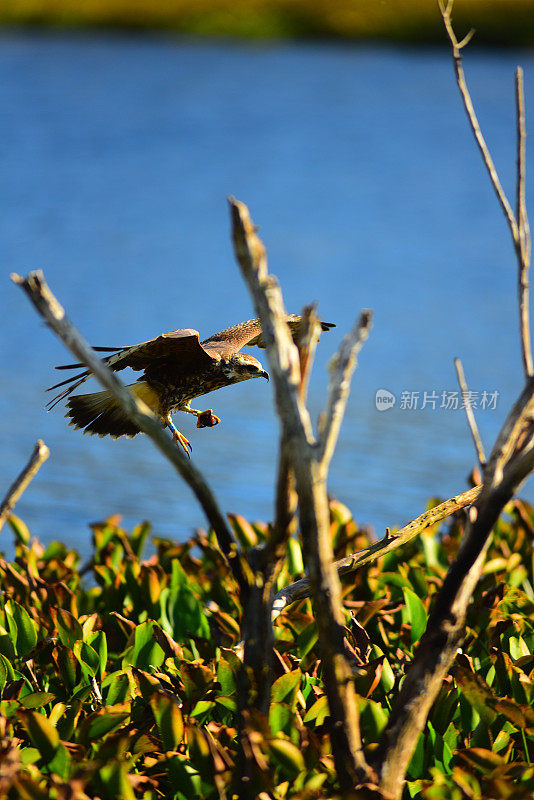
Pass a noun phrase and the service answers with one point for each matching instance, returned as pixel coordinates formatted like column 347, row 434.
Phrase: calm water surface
column 116, row 160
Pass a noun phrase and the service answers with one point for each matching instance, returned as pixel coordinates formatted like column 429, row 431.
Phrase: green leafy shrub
column 124, row 685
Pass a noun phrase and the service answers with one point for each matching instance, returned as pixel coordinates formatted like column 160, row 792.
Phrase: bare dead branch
column 433, row 659
column 266, row 563
column 471, row 421
column 467, row 38
column 518, row 223
column 285, row 523
column 342, row 367
column 473, row 120
column 49, row 307
column 286, row 499
column 301, row 589
column 16, row 490
column 523, row 225
column 281, row 351
column 510, row 462
column 307, row 340
column 283, row 357
column 521, row 207
column 313, row 502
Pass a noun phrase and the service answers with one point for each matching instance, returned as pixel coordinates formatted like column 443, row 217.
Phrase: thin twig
column 37, row 458
column 524, row 228
column 49, row 307
column 473, row 119
column 286, row 499
column 342, row 367
column 306, row 341
column 471, row 421
column 301, row 589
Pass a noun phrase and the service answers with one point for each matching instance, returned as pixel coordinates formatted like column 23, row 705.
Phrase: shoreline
column 504, row 23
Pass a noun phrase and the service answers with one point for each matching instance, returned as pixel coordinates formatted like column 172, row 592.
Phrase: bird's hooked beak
column 263, row 374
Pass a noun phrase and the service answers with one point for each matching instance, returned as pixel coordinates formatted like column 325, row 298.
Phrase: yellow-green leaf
column 20, row 529
column 169, row 719
column 482, row 759
column 416, row 614
column 88, row 657
column 36, row 699
column 43, row 734
column 288, row 757
column 245, row 533
column 68, row 628
column 285, row 688
column 99, row 724
column 318, row 711
column 294, row 556
column 22, row 628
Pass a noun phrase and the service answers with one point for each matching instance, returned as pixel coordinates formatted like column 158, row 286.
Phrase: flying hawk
column 177, row 368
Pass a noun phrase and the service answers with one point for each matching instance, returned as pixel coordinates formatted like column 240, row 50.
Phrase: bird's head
column 242, row 367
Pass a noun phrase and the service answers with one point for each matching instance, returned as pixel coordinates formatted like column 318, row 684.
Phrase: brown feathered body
column 177, row 368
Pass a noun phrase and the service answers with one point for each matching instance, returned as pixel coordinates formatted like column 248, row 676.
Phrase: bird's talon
column 207, row 419
column 183, row 441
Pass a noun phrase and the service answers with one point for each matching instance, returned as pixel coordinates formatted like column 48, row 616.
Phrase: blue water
column 116, row 159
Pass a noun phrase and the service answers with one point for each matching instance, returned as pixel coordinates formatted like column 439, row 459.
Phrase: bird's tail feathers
column 100, row 414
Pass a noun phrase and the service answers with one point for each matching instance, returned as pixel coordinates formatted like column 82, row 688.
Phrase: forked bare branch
column 510, row 463
column 519, row 227
column 38, row 457
column 52, row 311
column 313, row 502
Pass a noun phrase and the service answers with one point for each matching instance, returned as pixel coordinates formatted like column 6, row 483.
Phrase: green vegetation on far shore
column 499, row 22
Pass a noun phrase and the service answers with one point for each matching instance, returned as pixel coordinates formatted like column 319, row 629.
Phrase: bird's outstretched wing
column 179, row 351
column 181, row 348
column 249, row 334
